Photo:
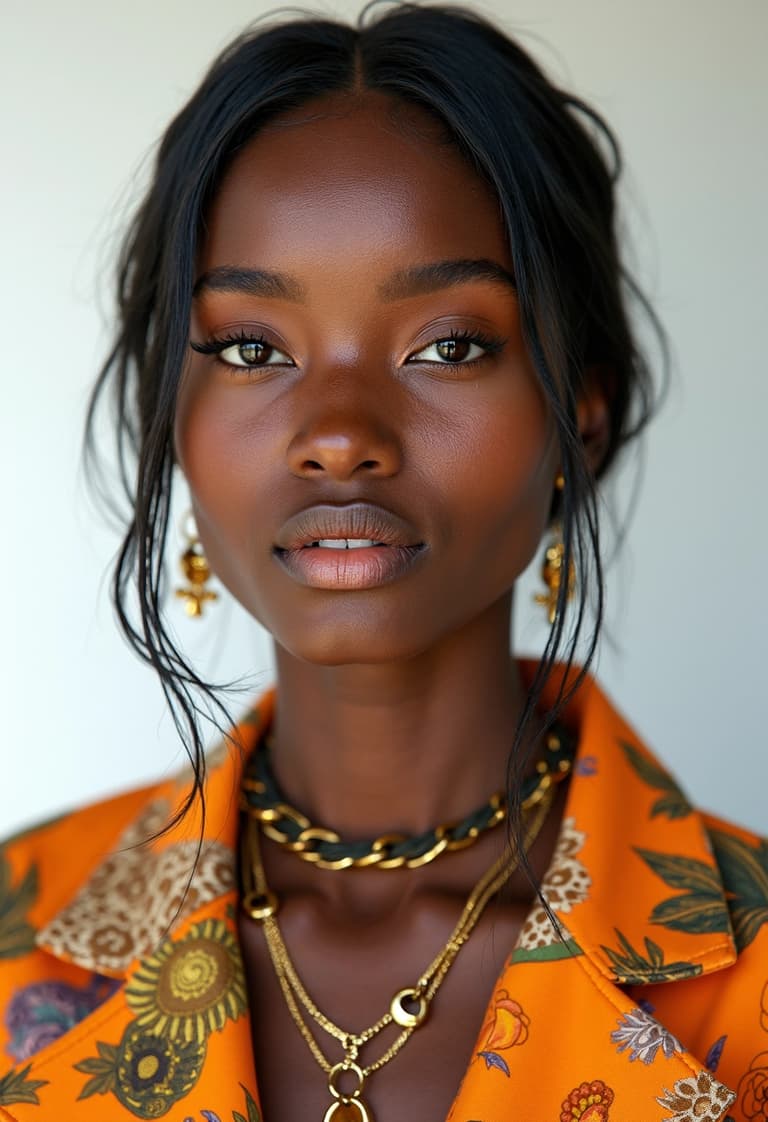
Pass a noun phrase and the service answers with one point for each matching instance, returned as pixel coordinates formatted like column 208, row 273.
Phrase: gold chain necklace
column 283, row 823
column 408, row 1008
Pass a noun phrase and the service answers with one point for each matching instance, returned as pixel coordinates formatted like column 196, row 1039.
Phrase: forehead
column 352, row 178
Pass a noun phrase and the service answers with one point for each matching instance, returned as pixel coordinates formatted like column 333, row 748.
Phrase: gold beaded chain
column 262, row 905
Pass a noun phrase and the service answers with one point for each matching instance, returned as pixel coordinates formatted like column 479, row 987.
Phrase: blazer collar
column 655, row 908
column 142, row 890
column 626, row 821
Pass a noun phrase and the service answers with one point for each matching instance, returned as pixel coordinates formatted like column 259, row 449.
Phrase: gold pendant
column 405, row 1017
column 349, row 1107
column 353, row 1110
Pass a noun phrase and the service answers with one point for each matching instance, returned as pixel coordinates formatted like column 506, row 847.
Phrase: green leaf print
column 17, row 935
column 683, row 872
column 550, row 953
column 672, row 803
column 103, row 1070
column 15, row 1087
column 744, row 869
column 692, row 912
column 702, row 907
column 632, row 968
column 254, row 1114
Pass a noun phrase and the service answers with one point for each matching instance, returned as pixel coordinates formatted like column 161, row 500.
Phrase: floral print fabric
column 123, row 908
column 117, row 1001
column 41, row 1012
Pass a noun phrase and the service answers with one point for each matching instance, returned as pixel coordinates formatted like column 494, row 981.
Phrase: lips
column 357, row 546
column 355, row 522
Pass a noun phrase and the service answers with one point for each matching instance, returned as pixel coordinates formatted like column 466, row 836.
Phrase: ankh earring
column 552, row 570
column 197, row 572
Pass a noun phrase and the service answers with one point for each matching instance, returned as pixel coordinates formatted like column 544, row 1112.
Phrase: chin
column 339, row 637
column 337, row 647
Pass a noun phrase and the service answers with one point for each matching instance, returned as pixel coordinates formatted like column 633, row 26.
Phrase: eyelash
column 218, row 343
column 491, row 345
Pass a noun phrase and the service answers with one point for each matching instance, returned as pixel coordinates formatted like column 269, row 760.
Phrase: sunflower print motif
column 146, row 1073
column 186, row 990
column 190, row 988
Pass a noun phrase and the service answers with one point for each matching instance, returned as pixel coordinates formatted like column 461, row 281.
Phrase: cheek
column 213, row 453
column 504, row 468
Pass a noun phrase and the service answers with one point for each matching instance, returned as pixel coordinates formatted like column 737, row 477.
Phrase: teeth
column 344, row 543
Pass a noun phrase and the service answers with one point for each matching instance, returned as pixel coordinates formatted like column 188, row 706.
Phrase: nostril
column 334, row 452
column 317, row 466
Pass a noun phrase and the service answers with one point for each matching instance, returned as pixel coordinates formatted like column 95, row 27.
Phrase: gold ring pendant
column 353, row 1110
column 401, row 1015
column 348, row 1107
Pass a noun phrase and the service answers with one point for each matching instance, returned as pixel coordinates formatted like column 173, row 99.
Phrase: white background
column 86, row 89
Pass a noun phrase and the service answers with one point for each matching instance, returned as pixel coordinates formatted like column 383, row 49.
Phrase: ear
column 593, row 416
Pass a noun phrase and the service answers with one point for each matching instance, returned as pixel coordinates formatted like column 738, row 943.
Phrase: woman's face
column 371, row 384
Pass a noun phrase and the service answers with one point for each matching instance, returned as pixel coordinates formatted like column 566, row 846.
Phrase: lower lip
column 368, row 567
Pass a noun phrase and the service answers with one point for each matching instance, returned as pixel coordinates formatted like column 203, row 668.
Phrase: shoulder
column 88, row 851
column 43, row 865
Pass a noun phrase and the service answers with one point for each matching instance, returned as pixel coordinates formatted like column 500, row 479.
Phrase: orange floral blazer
column 122, row 997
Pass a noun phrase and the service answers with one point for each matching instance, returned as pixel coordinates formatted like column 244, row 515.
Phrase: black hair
column 553, row 164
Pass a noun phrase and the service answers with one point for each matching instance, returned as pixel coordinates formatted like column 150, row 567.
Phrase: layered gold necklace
column 408, row 1008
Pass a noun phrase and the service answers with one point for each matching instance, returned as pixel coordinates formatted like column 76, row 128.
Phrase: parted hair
column 553, row 164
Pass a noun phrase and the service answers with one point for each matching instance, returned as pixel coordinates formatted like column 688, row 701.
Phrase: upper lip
column 359, row 520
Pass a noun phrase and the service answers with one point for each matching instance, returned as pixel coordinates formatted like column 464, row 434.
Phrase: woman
column 372, row 308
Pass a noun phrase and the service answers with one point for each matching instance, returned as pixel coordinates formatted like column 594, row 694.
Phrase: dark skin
column 397, row 703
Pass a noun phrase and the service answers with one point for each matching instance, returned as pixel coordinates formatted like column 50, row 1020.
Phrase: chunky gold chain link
column 275, row 819
column 292, row 830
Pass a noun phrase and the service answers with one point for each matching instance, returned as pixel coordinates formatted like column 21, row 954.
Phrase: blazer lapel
column 175, row 1029
column 639, row 900
column 561, row 1042
column 568, row 1033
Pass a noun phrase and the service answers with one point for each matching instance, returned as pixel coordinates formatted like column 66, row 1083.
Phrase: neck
column 369, row 749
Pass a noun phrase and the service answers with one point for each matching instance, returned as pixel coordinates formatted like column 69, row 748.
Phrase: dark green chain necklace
column 263, row 801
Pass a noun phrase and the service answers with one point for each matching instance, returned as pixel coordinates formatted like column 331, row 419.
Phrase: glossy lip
column 368, row 567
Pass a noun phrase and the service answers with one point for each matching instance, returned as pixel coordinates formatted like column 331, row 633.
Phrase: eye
column 458, row 348
column 243, row 351
column 253, row 352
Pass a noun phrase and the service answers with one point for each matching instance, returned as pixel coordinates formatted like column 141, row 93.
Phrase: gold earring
column 552, row 569
column 196, row 570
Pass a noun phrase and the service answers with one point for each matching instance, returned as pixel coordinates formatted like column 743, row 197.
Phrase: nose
column 344, row 437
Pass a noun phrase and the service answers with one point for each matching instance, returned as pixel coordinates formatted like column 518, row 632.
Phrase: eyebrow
column 415, row 281
column 252, row 282
column 422, row 279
